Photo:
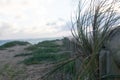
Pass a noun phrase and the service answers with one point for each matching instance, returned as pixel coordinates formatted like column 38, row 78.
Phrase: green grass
column 13, row 43
column 45, row 44
column 31, row 48
column 23, row 54
column 44, row 51
column 48, row 44
column 70, row 68
column 38, row 58
column 12, row 73
column 45, row 54
column 47, row 50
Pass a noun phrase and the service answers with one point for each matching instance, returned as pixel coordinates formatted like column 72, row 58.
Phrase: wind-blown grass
column 91, row 30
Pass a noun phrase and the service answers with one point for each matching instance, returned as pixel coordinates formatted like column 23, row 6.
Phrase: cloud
column 5, row 28
column 51, row 24
column 38, row 18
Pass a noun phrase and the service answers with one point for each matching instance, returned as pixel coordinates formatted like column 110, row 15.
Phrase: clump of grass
column 31, row 48
column 91, row 30
column 47, row 50
column 44, row 44
column 70, row 68
column 48, row 44
column 10, row 73
column 13, row 43
column 44, row 51
column 38, row 58
column 23, row 54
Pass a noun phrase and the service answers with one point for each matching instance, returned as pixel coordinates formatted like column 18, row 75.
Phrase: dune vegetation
column 13, row 43
column 48, row 52
column 76, row 58
column 90, row 30
column 44, row 51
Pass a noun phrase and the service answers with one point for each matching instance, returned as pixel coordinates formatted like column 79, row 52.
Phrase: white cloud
column 28, row 18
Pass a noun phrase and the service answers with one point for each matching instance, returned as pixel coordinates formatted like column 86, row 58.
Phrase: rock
column 117, row 58
column 114, row 45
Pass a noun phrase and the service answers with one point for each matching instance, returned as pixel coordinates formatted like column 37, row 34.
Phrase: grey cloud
column 60, row 19
column 51, row 24
column 66, row 26
column 5, row 28
column 55, row 23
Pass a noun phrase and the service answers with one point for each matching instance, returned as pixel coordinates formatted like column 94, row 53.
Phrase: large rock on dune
column 114, row 45
column 110, row 57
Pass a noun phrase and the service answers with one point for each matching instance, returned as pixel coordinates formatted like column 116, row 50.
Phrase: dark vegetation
column 13, row 43
column 44, row 51
column 48, row 52
column 42, row 57
column 23, row 54
column 90, row 29
column 44, row 44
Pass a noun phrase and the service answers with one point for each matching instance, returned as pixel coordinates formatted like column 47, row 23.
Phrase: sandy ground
column 10, row 69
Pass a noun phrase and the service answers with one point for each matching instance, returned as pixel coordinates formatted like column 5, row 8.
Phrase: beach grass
column 48, row 44
column 38, row 58
column 11, row 72
column 43, row 44
column 23, row 54
column 44, row 51
column 13, row 43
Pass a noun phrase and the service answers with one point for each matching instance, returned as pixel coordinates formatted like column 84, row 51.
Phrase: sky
column 22, row 19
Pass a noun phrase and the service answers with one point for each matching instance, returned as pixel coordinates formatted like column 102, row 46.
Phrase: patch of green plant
column 13, row 43
column 23, row 54
column 11, row 73
column 37, row 58
column 32, row 47
column 68, row 72
column 70, row 68
column 45, row 44
column 47, row 50
column 48, row 44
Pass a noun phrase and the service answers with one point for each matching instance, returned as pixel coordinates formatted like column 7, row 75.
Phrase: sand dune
column 10, row 69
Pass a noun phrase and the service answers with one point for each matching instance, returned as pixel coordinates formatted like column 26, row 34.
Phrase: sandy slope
column 7, row 56
column 11, row 70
